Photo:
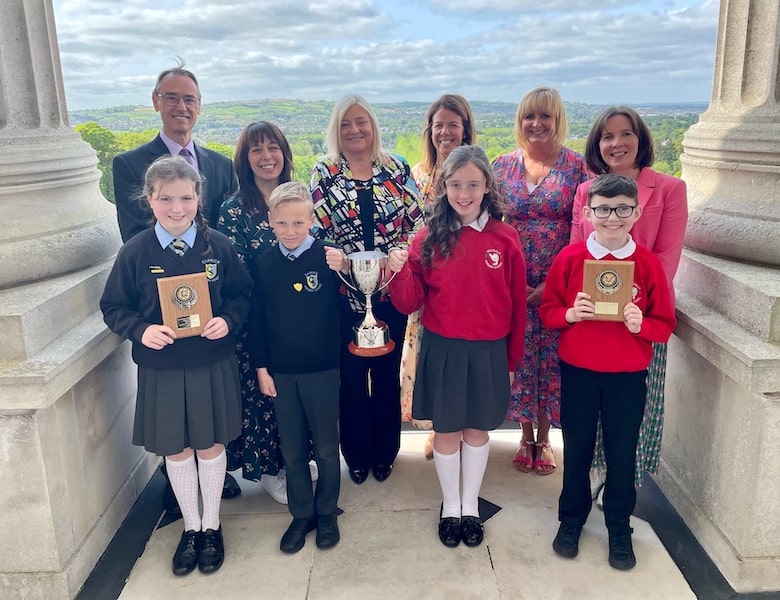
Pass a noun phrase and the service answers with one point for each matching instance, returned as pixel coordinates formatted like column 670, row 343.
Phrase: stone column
column 69, row 474
column 721, row 452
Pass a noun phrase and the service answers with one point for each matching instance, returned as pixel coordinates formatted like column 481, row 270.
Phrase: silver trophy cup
column 368, row 271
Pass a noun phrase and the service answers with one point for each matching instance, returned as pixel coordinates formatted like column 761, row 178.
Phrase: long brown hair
column 444, row 225
column 167, row 168
column 460, row 107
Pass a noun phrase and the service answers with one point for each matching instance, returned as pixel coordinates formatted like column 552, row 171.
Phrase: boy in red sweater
column 604, row 365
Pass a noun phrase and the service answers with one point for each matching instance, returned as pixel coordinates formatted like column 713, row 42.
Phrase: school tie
column 187, row 155
column 291, row 256
column 179, row 246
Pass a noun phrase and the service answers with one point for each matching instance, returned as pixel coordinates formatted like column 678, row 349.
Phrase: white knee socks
column 474, row 459
column 212, row 478
column 183, row 475
column 448, row 471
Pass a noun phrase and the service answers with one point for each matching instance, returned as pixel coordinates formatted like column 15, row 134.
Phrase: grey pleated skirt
column 194, row 407
column 461, row 384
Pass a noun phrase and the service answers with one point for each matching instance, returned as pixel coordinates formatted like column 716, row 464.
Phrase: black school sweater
column 294, row 326
column 130, row 302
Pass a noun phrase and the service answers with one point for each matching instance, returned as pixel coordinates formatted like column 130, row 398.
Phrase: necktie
column 291, row 256
column 188, row 155
column 179, row 246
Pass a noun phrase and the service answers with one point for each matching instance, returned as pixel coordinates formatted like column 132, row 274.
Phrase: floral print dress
column 542, row 217
column 257, row 451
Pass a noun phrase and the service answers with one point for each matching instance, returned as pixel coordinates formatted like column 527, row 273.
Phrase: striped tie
column 179, row 246
column 291, row 256
column 187, row 155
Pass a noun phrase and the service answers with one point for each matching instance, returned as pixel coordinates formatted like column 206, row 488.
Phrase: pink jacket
column 660, row 229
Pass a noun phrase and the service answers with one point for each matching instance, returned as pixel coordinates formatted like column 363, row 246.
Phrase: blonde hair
column 542, row 99
column 292, row 191
column 333, row 133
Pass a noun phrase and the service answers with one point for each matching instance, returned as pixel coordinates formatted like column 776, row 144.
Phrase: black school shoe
column 212, row 551
column 449, row 531
column 621, row 551
column 185, row 559
column 567, row 540
column 295, row 536
column 327, row 531
column 471, row 531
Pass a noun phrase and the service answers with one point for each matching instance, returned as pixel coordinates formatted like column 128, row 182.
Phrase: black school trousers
column 370, row 395
column 619, row 399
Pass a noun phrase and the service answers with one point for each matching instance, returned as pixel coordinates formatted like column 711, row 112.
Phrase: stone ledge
column 751, row 362
column 38, row 382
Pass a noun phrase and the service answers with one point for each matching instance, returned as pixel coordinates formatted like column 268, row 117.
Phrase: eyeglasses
column 604, row 212
column 174, row 99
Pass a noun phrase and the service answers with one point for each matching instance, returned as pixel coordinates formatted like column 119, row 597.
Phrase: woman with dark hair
column 262, row 161
column 538, row 181
column 365, row 199
column 449, row 124
column 620, row 142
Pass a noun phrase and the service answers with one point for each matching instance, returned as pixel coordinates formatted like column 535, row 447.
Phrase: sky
column 592, row 51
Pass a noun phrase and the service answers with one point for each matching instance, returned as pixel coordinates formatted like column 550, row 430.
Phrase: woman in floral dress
column 263, row 160
column 538, row 182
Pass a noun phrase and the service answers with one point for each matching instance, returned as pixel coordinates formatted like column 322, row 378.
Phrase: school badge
column 185, row 303
column 212, row 269
column 493, row 258
column 312, row 281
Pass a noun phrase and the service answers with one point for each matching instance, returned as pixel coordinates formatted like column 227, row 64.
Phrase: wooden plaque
column 609, row 283
column 185, row 302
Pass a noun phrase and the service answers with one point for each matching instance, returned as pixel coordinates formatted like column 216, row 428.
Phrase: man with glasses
column 176, row 96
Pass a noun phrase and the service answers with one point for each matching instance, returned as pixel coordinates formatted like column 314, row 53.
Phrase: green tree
column 104, row 143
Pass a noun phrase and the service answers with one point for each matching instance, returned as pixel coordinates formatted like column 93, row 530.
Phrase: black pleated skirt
column 461, row 384
column 187, row 408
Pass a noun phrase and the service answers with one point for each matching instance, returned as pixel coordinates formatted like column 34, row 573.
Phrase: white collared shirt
column 598, row 251
column 478, row 224
column 166, row 238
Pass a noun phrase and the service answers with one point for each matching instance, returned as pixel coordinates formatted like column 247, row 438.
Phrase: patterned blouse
column 249, row 233
column 397, row 207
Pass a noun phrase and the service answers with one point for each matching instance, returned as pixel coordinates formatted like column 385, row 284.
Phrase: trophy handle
column 347, row 283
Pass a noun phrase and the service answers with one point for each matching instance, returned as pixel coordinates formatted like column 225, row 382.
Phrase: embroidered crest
column 493, row 258
column 312, row 281
column 212, row 269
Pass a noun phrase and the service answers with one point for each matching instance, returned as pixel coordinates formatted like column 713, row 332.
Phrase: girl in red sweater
column 467, row 270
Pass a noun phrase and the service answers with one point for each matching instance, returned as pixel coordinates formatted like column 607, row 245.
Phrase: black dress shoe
column 382, row 472
column 212, row 551
column 295, row 536
column 358, row 475
column 230, row 489
column 449, row 531
column 327, row 532
column 471, row 531
column 185, row 559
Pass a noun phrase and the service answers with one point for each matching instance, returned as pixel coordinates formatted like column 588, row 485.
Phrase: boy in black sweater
column 294, row 345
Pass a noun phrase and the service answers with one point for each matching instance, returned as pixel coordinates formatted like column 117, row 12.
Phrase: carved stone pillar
column 69, row 474
column 721, row 451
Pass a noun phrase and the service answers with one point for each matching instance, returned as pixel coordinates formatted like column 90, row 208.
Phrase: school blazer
column 129, row 167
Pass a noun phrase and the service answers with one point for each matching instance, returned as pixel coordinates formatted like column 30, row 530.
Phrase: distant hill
column 223, row 121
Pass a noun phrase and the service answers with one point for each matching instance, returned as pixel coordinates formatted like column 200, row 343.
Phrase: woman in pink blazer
column 620, row 142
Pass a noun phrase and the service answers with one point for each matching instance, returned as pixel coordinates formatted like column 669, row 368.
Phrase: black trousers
column 619, row 398
column 370, row 396
column 307, row 404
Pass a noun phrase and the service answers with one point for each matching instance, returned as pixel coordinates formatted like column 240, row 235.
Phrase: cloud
column 593, row 51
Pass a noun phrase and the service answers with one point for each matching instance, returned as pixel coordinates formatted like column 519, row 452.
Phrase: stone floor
column 389, row 548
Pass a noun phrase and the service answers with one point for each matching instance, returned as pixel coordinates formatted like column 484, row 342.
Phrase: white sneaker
column 315, row 474
column 276, row 486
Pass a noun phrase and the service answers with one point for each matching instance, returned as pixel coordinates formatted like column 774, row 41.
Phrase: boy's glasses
column 174, row 99
column 603, row 212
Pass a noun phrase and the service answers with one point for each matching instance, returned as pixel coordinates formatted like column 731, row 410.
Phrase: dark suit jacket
column 219, row 184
